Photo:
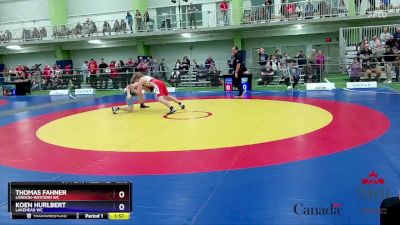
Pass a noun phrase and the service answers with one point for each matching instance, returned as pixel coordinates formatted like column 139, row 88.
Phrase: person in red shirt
column 93, row 68
column 47, row 74
column 223, row 7
column 19, row 70
column 114, row 74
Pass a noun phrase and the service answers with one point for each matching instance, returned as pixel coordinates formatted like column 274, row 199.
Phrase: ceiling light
column 299, row 26
column 14, row 47
column 95, row 42
column 186, row 35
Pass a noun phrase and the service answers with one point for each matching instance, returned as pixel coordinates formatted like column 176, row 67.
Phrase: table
column 246, row 82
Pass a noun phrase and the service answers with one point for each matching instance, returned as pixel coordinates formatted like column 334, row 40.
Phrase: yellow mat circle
column 234, row 122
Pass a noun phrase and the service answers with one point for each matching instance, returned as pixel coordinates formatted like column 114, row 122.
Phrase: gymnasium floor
column 265, row 159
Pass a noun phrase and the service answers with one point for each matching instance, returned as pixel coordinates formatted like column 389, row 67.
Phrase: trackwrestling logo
column 334, row 209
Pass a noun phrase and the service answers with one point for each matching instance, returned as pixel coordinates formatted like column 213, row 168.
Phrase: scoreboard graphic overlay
column 70, row 200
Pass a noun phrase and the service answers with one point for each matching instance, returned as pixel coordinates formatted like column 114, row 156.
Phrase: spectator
column 294, row 75
column 376, row 47
column 47, row 76
column 78, row 29
column 114, row 74
column 262, row 57
column 275, row 65
column 365, row 50
column 93, row 68
column 309, row 75
column 389, row 58
column 116, row 27
column 355, row 70
column 185, row 63
column 106, row 28
column 146, row 20
column 85, row 71
column 163, row 70
column 209, row 62
column 223, row 7
column 278, row 54
column 130, row 65
column 129, row 18
column 360, row 46
column 192, row 15
column 267, row 74
column 122, row 26
column 178, row 65
column 155, row 69
column 43, row 33
column 286, row 58
column 138, row 18
column 396, row 34
column 143, row 67
column 301, row 59
column 385, row 36
column 268, row 4
column 323, row 9
column 19, row 70
column 35, row 34
column 370, row 66
column 320, row 65
column 397, row 67
column 104, row 75
column 309, row 10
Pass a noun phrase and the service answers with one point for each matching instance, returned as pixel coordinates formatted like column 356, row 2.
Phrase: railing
column 351, row 38
column 377, row 8
column 315, row 9
column 293, row 11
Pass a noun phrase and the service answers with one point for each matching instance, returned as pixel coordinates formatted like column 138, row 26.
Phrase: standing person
column 146, row 20
column 237, row 71
column 163, row 70
column 389, row 58
column 320, row 61
column 93, row 68
column 138, row 18
column 114, row 74
column 159, row 88
column 223, row 7
column 104, row 75
column 129, row 18
column 85, row 72
column 355, row 70
column 192, row 16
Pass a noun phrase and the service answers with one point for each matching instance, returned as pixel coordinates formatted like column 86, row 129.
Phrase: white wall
column 120, row 53
column 97, row 10
column 219, row 50
column 29, row 59
column 30, row 12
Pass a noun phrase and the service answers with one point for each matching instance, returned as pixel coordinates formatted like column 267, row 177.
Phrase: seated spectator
column 385, row 36
column 293, row 76
column 185, row 63
column 275, row 65
column 370, row 65
column 155, row 69
column 365, row 50
column 376, row 47
column 78, row 29
column 130, row 65
column 360, row 46
column 35, row 34
column 323, row 9
column 209, row 62
column 309, row 10
column 106, row 28
column 116, row 27
column 267, row 74
column 178, row 65
column 355, row 71
column 123, row 26
column 396, row 34
column 143, row 67
column 43, row 33
column 278, row 54
column 309, row 75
